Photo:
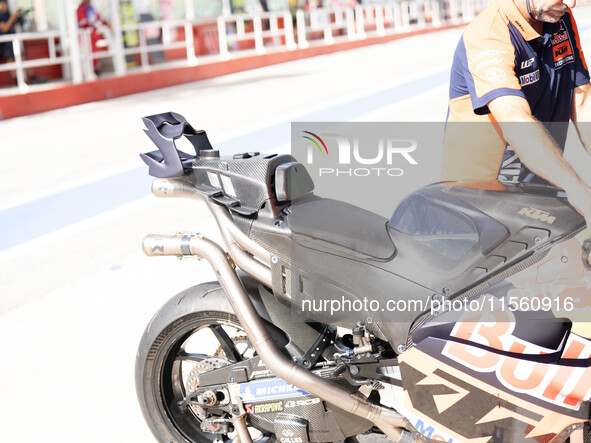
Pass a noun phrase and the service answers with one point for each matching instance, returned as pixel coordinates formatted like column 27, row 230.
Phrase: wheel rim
column 189, row 345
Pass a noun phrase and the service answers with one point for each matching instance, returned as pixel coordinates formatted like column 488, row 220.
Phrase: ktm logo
column 537, row 214
column 562, row 51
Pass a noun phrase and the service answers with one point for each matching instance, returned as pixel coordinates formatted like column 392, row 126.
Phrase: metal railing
column 166, row 32
column 166, row 29
column 271, row 26
column 56, row 56
column 323, row 24
column 326, row 25
column 235, row 34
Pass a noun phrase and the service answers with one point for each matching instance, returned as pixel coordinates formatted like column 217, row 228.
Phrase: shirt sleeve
column 581, row 69
column 491, row 67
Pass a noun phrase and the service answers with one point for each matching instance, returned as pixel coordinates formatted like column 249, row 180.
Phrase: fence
column 325, row 25
column 53, row 39
column 189, row 40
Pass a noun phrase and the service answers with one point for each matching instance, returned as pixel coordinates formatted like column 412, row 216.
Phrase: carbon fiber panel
column 245, row 184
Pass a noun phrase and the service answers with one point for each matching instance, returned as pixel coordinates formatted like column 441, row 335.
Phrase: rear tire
column 167, row 351
column 159, row 377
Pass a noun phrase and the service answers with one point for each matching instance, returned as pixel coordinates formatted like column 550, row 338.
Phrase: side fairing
column 514, row 364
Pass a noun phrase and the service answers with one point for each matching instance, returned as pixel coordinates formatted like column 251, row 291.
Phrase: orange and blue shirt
column 501, row 54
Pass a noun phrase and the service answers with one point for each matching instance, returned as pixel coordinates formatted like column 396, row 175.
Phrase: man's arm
column 581, row 114
column 5, row 26
column 538, row 151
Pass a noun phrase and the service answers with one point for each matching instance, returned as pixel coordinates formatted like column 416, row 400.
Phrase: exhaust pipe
column 178, row 246
column 235, row 240
column 389, row 421
column 180, row 188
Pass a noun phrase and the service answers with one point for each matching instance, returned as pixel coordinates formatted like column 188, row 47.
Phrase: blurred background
column 71, row 42
column 76, row 293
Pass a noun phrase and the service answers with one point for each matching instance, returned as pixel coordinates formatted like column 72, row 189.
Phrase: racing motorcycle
column 491, row 343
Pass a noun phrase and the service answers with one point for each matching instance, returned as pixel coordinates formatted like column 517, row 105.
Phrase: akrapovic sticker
column 263, row 408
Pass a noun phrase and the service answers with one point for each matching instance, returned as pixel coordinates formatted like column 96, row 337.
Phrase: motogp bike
column 463, row 317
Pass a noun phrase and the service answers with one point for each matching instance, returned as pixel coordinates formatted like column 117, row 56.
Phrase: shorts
column 6, row 51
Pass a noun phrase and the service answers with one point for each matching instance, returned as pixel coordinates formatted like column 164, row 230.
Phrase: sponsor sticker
column 530, row 78
column 559, row 38
column 306, row 402
column 562, row 51
column 565, row 386
column 527, row 63
column 274, row 389
column 431, row 432
column 537, row 214
column 487, row 53
column 263, row 408
column 288, row 436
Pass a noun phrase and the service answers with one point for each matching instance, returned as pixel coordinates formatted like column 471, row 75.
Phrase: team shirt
column 501, row 54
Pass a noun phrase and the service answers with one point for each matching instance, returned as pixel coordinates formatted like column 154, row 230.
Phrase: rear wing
column 163, row 130
column 244, row 182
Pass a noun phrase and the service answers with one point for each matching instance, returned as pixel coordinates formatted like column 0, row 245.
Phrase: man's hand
column 538, row 150
column 577, row 436
column 8, row 24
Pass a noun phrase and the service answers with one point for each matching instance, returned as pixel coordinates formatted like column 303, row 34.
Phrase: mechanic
column 89, row 18
column 518, row 76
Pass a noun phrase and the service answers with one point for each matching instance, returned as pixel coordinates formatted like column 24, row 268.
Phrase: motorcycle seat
column 340, row 227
